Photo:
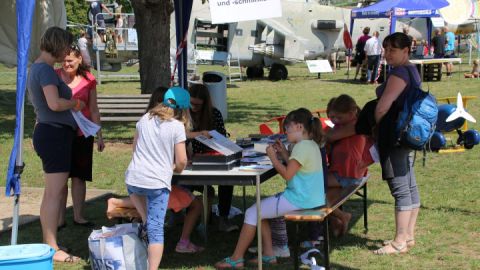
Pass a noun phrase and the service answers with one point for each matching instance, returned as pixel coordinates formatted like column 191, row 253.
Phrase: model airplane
column 450, row 119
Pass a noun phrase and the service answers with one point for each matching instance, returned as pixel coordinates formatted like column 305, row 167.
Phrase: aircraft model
column 452, row 118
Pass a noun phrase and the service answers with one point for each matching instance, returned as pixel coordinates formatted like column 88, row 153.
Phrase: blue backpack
column 416, row 121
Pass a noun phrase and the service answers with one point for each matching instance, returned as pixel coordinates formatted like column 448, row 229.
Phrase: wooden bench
column 322, row 214
column 122, row 108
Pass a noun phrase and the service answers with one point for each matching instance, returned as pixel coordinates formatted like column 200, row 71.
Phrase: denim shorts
column 346, row 182
column 157, row 203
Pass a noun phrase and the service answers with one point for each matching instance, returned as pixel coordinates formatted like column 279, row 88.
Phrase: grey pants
column 403, row 186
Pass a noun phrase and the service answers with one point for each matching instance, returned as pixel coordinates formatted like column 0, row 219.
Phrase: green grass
column 448, row 225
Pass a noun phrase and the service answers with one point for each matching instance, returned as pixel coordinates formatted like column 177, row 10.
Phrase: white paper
column 87, row 127
column 227, row 11
column 374, row 153
column 318, row 66
column 219, row 143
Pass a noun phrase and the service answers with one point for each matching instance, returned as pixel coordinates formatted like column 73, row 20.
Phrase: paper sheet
column 87, row 127
column 219, row 143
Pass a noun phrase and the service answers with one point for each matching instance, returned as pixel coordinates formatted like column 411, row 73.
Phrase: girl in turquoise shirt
column 305, row 184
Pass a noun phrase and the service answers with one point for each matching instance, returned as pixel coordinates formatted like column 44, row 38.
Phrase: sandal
column 228, row 263
column 188, row 248
column 400, row 249
column 272, row 260
column 410, row 242
column 68, row 259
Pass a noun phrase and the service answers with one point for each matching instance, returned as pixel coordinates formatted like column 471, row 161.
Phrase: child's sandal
column 228, row 263
column 265, row 260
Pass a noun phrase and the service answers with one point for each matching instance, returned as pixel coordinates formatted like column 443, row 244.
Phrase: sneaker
column 224, row 225
column 279, row 252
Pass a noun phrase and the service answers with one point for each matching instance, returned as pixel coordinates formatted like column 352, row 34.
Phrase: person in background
column 360, row 50
column 83, row 46
column 373, row 52
column 303, row 174
column 205, row 117
column 438, row 44
column 54, row 130
column 84, row 87
column 158, row 151
column 475, row 70
column 119, row 24
column 96, row 8
column 449, row 49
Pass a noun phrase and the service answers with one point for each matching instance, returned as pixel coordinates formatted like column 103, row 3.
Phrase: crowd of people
column 163, row 143
column 369, row 52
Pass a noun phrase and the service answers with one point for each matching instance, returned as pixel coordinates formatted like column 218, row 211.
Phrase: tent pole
column 18, row 169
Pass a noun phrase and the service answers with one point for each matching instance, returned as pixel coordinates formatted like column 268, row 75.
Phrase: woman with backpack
column 360, row 57
column 397, row 161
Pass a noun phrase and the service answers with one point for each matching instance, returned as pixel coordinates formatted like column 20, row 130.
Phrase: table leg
column 244, row 200
column 421, row 72
column 259, row 224
column 205, row 212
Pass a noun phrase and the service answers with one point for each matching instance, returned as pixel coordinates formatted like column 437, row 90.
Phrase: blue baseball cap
column 179, row 95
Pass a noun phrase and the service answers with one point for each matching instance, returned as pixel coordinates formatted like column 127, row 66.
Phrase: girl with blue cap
column 158, row 151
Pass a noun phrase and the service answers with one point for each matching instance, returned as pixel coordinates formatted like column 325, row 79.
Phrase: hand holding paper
column 87, row 127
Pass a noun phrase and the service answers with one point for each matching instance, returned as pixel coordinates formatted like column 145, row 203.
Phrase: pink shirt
column 82, row 92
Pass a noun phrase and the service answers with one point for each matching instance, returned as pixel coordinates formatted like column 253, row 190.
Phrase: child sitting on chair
column 349, row 157
column 475, row 70
column 304, row 185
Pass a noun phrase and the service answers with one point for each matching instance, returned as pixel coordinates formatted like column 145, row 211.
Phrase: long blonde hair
column 166, row 113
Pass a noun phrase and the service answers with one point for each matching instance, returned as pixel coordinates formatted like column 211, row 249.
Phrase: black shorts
column 82, row 155
column 53, row 144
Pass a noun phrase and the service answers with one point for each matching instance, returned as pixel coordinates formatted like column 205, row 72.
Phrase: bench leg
column 326, row 244
column 244, row 200
column 295, row 247
column 365, row 210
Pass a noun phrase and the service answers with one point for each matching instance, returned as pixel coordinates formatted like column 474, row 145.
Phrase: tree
column 152, row 22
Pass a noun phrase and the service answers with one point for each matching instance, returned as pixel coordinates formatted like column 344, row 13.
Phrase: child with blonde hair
column 158, row 151
column 475, row 70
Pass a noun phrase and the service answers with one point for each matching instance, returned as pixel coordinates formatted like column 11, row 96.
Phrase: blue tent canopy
column 395, row 9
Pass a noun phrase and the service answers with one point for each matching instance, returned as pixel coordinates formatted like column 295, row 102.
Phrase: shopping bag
column 117, row 248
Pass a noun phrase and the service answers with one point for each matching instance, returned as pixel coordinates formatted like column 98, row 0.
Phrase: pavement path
column 30, row 201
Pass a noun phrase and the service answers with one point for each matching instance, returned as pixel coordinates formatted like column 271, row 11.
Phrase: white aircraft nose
column 460, row 111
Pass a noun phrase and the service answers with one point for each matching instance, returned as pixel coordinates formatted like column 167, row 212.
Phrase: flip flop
column 271, row 260
column 410, row 242
column 69, row 258
column 188, row 248
column 400, row 249
column 228, row 263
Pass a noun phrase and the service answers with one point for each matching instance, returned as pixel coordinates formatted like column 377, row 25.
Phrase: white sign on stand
column 227, row 11
column 438, row 22
column 319, row 66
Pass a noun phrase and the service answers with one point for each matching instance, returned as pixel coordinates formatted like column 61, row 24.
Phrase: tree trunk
column 152, row 22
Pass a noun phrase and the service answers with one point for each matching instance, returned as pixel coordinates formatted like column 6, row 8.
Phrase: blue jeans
column 346, row 182
column 157, row 203
column 403, row 186
column 372, row 67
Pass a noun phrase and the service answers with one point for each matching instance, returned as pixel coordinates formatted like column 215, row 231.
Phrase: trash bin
column 26, row 257
column 216, row 82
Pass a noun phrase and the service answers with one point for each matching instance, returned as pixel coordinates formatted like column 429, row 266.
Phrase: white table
column 423, row 62
column 233, row 177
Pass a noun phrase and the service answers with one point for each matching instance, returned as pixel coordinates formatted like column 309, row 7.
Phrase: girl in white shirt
column 159, row 150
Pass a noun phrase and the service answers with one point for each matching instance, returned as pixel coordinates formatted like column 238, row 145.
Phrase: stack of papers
column 219, row 143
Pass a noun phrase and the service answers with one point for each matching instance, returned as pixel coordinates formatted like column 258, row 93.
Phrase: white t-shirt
column 82, row 45
column 152, row 162
column 373, row 46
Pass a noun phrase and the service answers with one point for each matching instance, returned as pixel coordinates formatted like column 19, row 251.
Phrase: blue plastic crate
column 26, row 257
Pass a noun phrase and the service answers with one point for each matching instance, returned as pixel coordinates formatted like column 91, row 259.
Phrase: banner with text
column 226, row 11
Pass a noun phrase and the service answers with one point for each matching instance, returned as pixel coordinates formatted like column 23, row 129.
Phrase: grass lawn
column 448, row 225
